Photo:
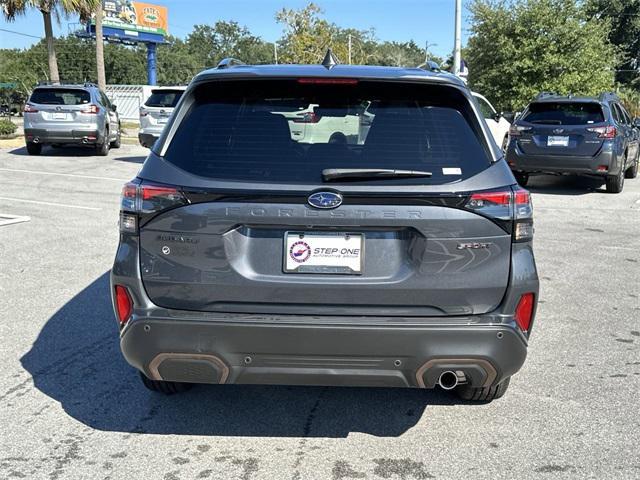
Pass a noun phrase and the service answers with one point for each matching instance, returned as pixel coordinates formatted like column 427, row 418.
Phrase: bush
column 7, row 127
column 631, row 100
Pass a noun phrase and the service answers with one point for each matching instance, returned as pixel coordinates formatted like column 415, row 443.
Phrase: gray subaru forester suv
column 397, row 255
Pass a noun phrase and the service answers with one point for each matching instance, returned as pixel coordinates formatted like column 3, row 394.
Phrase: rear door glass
column 164, row 98
column 564, row 113
column 249, row 131
column 60, row 96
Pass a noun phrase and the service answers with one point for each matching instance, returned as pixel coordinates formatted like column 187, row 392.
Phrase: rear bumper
column 87, row 137
column 216, row 350
column 148, row 139
column 559, row 164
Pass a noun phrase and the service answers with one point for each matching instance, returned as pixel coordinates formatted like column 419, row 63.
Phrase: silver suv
column 402, row 256
column 155, row 113
column 70, row 114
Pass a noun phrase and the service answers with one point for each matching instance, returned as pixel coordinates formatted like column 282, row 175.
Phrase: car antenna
column 330, row 60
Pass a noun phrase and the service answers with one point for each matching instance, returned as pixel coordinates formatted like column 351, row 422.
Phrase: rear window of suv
column 60, row 96
column 564, row 113
column 287, row 131
column 163, row 98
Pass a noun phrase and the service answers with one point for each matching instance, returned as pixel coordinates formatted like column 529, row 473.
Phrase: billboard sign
column 133, row 16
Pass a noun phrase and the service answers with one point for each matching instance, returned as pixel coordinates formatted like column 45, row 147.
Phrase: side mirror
column 113, row 107
column 497, row 116
column 508, row 116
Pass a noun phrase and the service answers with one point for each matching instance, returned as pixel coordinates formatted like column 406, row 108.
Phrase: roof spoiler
column 229, row 62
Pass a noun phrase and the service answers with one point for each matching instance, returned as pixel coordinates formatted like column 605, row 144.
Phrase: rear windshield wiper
column 330, row 174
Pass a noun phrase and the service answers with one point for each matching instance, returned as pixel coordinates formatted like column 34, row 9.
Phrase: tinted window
column 485, row 108
column 60, row 96
column 287, row 132
column 164, row 98
column 564, row 113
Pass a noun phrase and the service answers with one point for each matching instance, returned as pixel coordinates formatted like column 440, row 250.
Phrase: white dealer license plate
column 557, row 141
column 59, row 116
column 337, row 253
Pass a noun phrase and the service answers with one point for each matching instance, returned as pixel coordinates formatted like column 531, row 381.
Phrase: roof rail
column 90, row 84
column 542, row 95
column 229, row 62
column 608, row 96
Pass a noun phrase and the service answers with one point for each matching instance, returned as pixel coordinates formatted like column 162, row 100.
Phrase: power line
column 20, row 33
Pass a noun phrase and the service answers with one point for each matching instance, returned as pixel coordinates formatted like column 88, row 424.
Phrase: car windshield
column 60, row 96
column 290, row 131
column 564, row 113
column 164, row 98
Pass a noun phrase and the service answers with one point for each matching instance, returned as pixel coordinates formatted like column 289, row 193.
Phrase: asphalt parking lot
column 71, row 408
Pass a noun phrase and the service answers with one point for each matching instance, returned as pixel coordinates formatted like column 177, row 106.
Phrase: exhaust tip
column 448, row 380
column 36, row 140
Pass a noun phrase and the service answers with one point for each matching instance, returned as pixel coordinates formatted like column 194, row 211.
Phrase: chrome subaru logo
column 325, row 200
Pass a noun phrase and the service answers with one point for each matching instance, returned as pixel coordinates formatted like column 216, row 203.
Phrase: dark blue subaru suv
column 575, row 135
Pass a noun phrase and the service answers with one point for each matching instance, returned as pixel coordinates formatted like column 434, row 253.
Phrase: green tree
column 624, row 19
column 48, row 8
column 521, row 47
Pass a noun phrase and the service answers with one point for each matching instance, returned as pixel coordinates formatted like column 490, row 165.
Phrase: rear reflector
column 328, row 81
column 603, row 168
column 124, row 304
column 524, row 311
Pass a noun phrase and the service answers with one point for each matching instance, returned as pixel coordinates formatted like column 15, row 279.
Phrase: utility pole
column 349, row 49
column 457, row 39
column 275, row 52
column 426, row 50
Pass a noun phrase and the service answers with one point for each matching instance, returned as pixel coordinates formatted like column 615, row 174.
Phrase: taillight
column 90, row 109
column 30, row 109
column 510, row 207
column 306, row 117
column 139, row 200
column 604, row 132
column 143, row 112
column 524, row 311
column 517, row 130
column 124, row 304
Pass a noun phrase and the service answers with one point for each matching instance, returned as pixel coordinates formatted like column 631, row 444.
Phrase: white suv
column 155, row 113
column 498, row 125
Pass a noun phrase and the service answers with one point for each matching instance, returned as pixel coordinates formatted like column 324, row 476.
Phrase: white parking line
column 52, row 204
column 6, row 219
column 64, row 174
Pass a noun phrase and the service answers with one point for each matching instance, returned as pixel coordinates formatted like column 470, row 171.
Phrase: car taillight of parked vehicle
column 517, row 130
column 510, row 206
column 306, row 117
column 30, row 109
column 142, row 200
column 143, row 112
column 604, row 132
column 90, row 109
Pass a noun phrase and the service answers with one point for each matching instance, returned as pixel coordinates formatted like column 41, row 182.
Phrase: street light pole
column 349, row 49
column 457, row 39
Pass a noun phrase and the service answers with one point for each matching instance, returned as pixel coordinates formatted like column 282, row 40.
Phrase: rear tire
column 615, row 183
column 118, row 141
column 102, row 149
column 521, row 178
column 168, row 388
column 34, row 148
column 632, row 171
column 483, row 394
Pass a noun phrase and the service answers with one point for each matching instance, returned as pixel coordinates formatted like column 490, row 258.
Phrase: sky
column 400, row 20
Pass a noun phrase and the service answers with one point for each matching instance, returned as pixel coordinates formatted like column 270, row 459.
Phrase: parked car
column 70, row 114
column 155, row 113
column 403, row 259
column 498, row 123
column 575, row 135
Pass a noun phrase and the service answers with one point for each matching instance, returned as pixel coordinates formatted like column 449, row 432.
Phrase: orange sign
column 133, row 15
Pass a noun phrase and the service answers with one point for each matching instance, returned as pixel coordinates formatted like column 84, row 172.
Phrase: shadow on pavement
column 565, row 185
column 76, row 361
column 64, row 151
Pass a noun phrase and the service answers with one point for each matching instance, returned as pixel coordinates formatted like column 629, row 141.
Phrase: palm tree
column 102, row 78
column 13, row 8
